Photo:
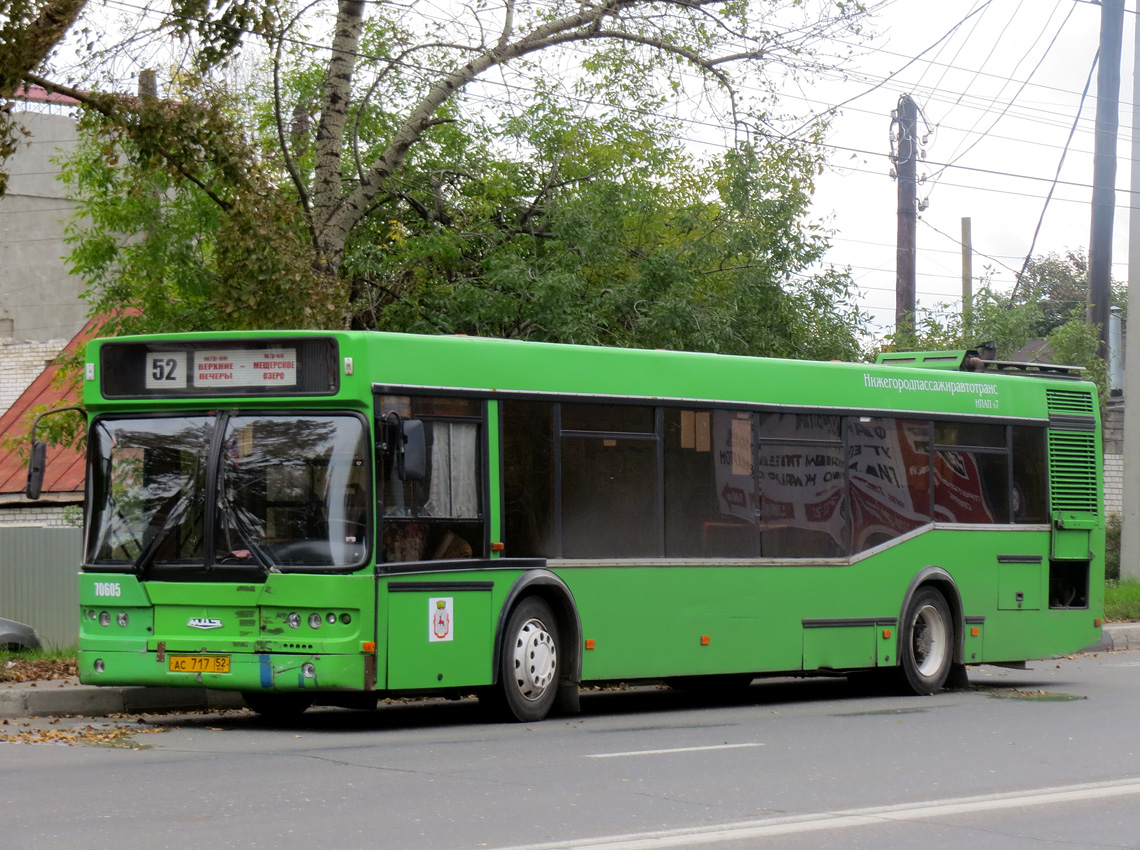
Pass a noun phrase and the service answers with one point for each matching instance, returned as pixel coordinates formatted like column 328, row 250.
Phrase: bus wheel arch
column 551, row 594
column 931, row 633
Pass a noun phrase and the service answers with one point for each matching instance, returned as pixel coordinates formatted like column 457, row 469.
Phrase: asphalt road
column 1044, row 757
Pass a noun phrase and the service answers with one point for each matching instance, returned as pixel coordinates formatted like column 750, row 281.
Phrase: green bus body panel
column 641, row 619
column 840, row 647
column 460, row 659
column 648, row 621
column 494, row 366
column 253, row 622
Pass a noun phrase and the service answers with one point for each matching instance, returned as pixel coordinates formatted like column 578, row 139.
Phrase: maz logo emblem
column 204, row 623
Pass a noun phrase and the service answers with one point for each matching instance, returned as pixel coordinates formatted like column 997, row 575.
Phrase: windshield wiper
column 173, row 519
column 246, row 534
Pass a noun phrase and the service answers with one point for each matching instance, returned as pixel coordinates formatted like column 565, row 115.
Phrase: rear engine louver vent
column 1069, row 401
column 1072, row 471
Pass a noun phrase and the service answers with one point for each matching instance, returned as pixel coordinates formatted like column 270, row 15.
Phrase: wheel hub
column 929, row 641
column 535, row 659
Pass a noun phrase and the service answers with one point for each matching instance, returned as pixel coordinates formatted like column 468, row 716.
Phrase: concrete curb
column 1117, row 637
column 90, row 701
column 50, row 699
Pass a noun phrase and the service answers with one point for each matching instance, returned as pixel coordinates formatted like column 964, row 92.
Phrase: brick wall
column 21, row 363
column 1113, row 427
column 42, row 516
column 1113, row 483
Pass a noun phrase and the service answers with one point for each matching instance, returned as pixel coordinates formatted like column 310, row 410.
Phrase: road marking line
column 844, row 819
column 672, row 750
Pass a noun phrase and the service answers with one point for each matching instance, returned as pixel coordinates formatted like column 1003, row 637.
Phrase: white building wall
column 21, row 362
column 39, row 298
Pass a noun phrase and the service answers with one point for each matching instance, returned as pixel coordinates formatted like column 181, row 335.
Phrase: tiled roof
column 38, row 94
column 65, row 473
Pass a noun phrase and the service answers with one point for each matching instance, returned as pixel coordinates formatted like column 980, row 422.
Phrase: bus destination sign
column 221, row 368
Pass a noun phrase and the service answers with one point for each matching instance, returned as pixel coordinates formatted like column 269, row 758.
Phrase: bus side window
column 528, row 479
column 1030, row 500
column 440, row 517
column 710, row 502
column 888, row 471
column 609, row 481
column 971, row 473
column 802, row 507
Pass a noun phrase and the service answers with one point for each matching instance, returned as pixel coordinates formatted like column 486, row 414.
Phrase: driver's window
column 440, row 517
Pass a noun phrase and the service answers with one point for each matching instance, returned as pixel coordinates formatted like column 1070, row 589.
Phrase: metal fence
column 38, row 586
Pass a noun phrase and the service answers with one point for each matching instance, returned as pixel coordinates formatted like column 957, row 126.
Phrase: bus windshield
column 290, row 491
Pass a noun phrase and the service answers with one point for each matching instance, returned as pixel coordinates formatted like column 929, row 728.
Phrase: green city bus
column 325, row 518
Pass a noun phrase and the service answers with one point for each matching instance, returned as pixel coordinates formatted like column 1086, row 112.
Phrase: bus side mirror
column 413, row 457
column 36, row 464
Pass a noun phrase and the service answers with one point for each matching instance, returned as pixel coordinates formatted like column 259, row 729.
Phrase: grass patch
column 38, row 664
column 46, row 654
column 1122, row 600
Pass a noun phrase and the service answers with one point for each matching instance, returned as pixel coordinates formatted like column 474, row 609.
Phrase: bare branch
column 334, row 110
column 277, row 113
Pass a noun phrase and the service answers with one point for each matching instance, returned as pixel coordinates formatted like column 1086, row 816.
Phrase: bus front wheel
column 926, row 642
column 276, row 706
column 528, row 677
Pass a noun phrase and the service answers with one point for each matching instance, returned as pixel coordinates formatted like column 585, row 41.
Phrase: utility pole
column 1130, row 520
column 1104, row 168
column 967, row 276
column 904, row 123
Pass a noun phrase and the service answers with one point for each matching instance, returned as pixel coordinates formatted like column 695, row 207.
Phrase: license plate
column 199, row 664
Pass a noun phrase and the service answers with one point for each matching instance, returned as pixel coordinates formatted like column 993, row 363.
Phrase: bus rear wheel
column 528, row 676
column 926, row 642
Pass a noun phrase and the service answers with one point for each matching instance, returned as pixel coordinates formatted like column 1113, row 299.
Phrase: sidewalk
column 56, row 697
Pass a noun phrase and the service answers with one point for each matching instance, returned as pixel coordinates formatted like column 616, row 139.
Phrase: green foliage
column 547, row 225
column 1048, row 304
column 1059, row 286
column 1076, row 343
column 613, row 238
column 161, row 251
column 66, row 428
column 220, row 26
column 1112, row 528
column 373, row 189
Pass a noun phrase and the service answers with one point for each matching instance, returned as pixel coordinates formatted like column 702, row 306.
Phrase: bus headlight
column 99, row 665
column 122, row 619
column 104, row 618
column 308, row 670
column 315, row 621
column 294, row 620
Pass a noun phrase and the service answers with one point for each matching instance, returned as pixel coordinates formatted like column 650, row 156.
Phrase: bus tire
column 926, row 642
column 275, row 706
column 528, row 677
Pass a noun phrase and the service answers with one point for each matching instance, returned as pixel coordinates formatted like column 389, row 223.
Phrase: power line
column 1052, row 42
column 1045, row 206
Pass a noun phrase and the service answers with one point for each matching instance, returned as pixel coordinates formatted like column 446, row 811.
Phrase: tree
column 1059, row 285
column 1048, row 303
column 606, row 233
column 29, row 29
column 356, row 133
